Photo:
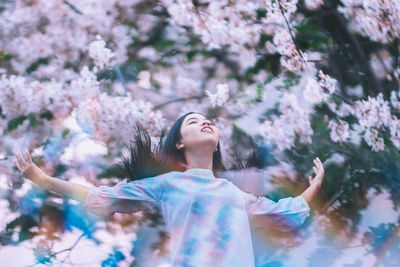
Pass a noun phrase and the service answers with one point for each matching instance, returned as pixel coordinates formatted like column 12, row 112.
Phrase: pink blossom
column 327, row 82
column 99, row 53
column 339, row 131
column 313, row 4
column 221, row 96
column 372, row 138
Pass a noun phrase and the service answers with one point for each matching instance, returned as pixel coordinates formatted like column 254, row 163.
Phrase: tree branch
column 73, row 245
column 291, row 33
column 182, row 99
column 74, row 8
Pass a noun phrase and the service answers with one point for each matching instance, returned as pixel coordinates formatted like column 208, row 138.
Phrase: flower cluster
column 319, row 91
column 293, row 122
column 106, row 117
column 20, row 97
column 292, row 58
column 221, row 96
column 59, row 32
column 235, row 26
column 99, row 53
column 339, row 131
column 313, row 4
column 378, row 20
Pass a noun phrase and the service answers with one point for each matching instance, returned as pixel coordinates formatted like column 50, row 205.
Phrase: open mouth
column 207, row 129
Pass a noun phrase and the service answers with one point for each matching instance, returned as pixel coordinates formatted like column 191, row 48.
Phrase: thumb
column 310, row 179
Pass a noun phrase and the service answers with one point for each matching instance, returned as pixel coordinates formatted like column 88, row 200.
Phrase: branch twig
column 74, row 8
column 290, row 32
column 182, row 99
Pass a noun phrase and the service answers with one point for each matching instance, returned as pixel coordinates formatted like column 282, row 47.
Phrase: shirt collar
column 201, row 172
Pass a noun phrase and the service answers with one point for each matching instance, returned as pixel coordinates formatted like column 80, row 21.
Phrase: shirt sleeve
column 285, row 215
column 138, row 195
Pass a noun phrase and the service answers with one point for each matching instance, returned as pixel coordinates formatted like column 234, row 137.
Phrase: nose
column 206, row 122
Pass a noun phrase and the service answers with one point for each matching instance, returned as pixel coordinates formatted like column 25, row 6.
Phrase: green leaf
column 35, row 65
column 46, row 115
column 310, row 36
column 14, row 123
column 288, row 83
column 65, row 133
column 163, row 44
column 32, row 120
column 4, row 55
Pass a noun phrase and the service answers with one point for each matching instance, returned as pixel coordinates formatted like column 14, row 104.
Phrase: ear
column 179, row 146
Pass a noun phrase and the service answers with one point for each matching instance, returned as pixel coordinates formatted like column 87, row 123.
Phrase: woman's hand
column 316, row 182
column 319, row 173
column 27, row 168
column 32, row 172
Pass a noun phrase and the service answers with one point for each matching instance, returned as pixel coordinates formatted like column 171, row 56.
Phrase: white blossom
column 99, row 53
column 372, row 138
column 395, row 132
column 394, row 99
column 327, row 82
column 339, row 131
column 313, row 92
column 221, row 96
column 313, row 4
column 374, row 112
column 378, row 20
column 293, row 121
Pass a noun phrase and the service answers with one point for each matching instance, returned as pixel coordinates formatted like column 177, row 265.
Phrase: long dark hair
column 144, row 162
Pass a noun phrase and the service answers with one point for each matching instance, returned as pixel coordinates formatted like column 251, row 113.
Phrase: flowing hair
column 145, row 162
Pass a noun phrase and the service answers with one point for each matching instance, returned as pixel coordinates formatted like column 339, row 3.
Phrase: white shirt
column 208, row 218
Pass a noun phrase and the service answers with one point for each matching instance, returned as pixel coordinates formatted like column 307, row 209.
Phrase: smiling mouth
column 207, row 129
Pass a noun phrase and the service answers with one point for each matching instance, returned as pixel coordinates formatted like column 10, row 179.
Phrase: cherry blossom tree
column 295, row 79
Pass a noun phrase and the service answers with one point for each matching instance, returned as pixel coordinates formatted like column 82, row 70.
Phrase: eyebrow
column 192, row 118
column 195, row 118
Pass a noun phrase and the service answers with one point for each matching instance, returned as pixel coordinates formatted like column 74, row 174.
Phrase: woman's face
column 197, row 130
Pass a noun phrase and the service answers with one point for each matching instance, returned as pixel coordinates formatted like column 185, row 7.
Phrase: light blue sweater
column 208, row 218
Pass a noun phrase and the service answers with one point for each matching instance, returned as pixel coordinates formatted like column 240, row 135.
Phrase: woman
column 208, row 219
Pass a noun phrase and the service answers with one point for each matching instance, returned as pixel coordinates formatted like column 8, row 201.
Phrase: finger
column 310, row 179
column 315, row 170
column 28, row 156
column 316, row 166
column 315, row 161
column 320, row 162
column 20, row 160
column 321, row 166
column 17, row 164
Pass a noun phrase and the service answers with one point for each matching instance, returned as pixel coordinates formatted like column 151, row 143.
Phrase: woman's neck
column 198, row 161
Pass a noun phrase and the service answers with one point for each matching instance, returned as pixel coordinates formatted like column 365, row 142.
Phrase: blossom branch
column 74, row 8
column 73, row 245
column 181, row 99
column 290, row 32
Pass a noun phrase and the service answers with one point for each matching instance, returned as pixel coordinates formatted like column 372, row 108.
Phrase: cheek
column 187, row 134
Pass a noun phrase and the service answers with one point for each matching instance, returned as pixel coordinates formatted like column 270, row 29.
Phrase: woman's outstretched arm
column 31, row 172
column 316, row 182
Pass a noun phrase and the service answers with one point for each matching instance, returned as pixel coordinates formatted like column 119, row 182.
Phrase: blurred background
column 296, row 79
